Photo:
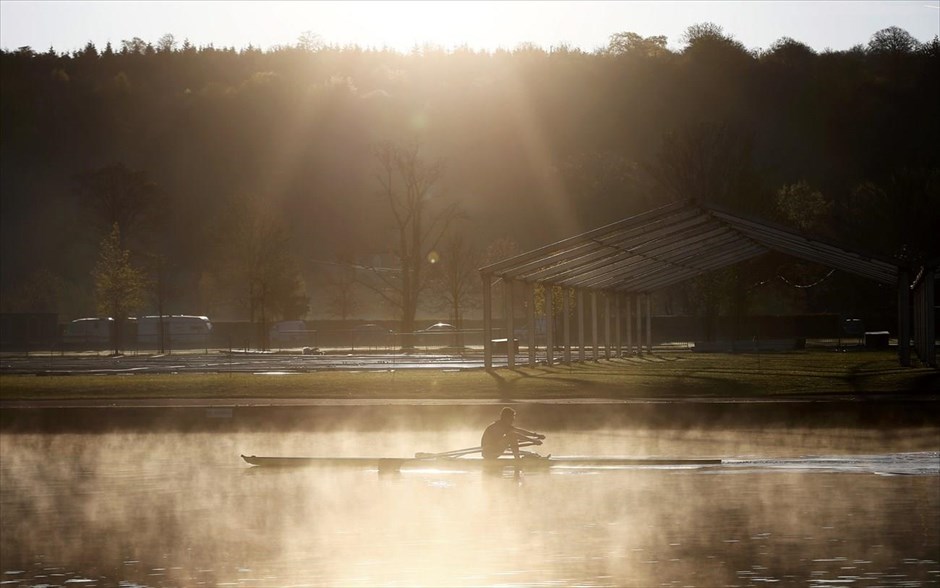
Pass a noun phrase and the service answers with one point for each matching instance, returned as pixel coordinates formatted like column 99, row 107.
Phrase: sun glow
column 405, row 26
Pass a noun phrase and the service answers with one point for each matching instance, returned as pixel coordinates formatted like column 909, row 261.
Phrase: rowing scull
column 528, row 460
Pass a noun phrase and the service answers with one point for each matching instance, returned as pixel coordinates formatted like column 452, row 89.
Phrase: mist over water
column 182, row 509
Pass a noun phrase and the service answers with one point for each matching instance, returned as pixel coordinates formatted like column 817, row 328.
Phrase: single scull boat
column 446, row 461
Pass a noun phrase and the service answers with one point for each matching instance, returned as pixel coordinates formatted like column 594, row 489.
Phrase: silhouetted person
column 502, row 435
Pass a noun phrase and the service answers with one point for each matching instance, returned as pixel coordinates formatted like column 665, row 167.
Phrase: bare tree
column 160, row 288
column 166, row 43
column 407, row 184
column 456, row 281
column 310, row 42
column 256, row 263
column 341, row 282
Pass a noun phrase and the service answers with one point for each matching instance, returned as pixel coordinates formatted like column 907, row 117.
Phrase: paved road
column 51, row 364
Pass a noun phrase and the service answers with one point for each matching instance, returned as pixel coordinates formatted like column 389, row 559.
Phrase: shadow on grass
column 861, row 376
column 501, row 384
column 578, row 380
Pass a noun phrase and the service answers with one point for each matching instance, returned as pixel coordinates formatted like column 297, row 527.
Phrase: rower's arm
column 528, row 433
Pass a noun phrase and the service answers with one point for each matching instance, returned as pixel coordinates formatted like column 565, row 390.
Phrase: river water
column 792, row 506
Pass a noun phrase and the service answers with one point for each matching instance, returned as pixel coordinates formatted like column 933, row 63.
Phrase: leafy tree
column 709, row 36
column 893, row 40
column 703, row 31
column 89, row 51
column 629, row 43
column 558, row 294
column 789, row 52
column 803, row 207
column 119, row 286
column 135, row 46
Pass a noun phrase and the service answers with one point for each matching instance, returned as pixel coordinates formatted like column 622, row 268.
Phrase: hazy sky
column 69, row 25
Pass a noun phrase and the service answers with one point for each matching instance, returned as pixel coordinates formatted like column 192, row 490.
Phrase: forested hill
column 536, row 145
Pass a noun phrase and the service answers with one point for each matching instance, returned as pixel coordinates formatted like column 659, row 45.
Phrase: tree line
column 313, row 180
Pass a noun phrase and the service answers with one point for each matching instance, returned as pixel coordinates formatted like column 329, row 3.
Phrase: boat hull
column 460, row 463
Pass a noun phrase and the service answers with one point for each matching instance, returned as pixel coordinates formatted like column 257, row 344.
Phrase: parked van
column 179, row 331
column 88, row 332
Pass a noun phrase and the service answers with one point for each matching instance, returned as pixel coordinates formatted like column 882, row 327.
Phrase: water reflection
column 176, row 509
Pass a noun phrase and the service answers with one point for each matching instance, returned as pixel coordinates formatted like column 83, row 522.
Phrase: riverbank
column 666, row 375
column 878, row 412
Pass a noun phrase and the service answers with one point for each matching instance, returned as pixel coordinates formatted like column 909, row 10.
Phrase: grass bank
column 660, row 375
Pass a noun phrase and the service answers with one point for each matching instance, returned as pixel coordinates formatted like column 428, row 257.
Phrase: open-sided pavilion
column 626, row 261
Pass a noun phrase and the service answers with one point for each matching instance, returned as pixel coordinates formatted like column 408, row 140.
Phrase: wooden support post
column 904, row 318
column 487, row 322
column 639, row 324
column 649, row 322
column 607, row 325
column 617, row 319
column 930, row 320
column 924, row 316
column 510, row 348
column 549, row 325
column 579, row 302
column 628, row 323
column 531, row 320
column 566, row 323
column 594, row 324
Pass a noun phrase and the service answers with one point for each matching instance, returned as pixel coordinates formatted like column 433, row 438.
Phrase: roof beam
column 612, row 251
column 817, row 251
column 599, row 248
column 655, row 281
column 639, row 220
column 637, row 281
column 668, row 253
column 671, row 244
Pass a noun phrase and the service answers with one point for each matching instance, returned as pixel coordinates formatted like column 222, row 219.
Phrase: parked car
column 438, row 334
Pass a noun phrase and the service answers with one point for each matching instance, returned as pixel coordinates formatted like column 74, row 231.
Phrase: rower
column 501, row 435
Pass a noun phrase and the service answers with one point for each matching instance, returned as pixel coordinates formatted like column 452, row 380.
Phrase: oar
column 454, row 453
column 468, row 451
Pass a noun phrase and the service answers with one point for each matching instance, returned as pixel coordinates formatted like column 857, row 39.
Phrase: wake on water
column 919, row 463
